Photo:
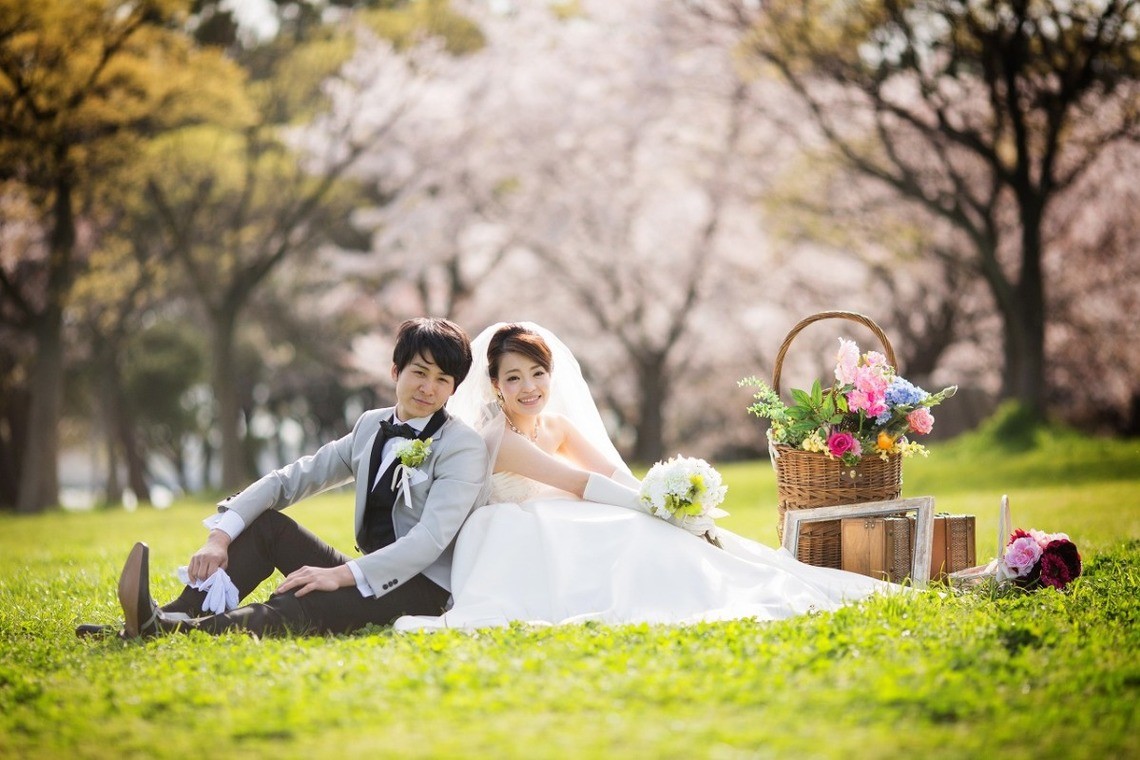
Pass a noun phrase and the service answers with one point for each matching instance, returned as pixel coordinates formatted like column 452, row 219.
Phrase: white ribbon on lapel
column 403, row 479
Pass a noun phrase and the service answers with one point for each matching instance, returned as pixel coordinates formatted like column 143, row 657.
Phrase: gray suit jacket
column 425, row 533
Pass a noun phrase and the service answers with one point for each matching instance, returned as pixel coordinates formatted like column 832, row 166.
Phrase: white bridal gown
column 539, row 555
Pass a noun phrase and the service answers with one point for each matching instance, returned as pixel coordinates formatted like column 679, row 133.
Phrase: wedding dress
column 542, row 556
column 539, row 555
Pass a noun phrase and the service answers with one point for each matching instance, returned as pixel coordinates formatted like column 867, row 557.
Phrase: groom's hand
column 214, row 554
column 306, row 579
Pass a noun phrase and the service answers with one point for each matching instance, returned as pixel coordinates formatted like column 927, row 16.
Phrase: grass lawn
column 936, row 675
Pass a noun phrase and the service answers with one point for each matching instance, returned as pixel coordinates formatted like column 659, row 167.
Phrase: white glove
column 605, row 490
column 221, row 593
column 626, row 479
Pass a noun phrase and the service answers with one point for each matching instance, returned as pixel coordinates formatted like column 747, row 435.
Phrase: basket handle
column 853, row 316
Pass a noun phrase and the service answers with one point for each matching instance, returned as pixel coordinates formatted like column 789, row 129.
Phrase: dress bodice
column 514, row 488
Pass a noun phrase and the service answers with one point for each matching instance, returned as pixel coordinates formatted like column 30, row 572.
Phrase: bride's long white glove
column 605, row 490
column 626, row 479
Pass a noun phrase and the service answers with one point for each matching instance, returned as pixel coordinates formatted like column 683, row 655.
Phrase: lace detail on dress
column 514, row 488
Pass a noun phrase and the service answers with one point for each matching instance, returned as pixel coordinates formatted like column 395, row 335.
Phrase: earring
column 499, row 396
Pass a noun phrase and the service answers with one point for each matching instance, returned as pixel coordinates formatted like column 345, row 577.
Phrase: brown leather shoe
column 139, row 610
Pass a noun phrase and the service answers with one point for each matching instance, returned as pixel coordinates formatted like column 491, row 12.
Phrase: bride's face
column 523, row 383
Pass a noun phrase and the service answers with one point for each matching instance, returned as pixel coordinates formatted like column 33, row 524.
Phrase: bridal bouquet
column 869, row 408
column 1033, row 558
column 686, row 492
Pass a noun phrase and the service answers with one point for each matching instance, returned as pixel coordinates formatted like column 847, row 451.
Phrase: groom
column 406, row 538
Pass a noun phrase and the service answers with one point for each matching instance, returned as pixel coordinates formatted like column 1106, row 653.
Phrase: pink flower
column 871, row 381
column 857, row 401
column 875, row 359
column 846, row 361
column 1022, row 555
column 1044, row 539
column 921, row 421
column 872, row 403
column 842, row 443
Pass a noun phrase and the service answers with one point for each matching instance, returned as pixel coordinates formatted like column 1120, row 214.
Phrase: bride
column 563, row 536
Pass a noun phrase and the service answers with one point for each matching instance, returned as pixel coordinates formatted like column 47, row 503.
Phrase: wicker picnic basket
column 806, row 479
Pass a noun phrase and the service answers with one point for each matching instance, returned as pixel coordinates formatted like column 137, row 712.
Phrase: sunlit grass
column 934, row 675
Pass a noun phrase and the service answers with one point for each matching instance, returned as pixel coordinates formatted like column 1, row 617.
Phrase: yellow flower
column 885, row 442
column 814, row 442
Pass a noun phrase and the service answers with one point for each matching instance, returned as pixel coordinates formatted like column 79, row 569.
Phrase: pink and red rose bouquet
column 1033, row 559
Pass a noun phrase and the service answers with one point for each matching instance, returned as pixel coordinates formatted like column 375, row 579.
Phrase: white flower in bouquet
column 686, row 492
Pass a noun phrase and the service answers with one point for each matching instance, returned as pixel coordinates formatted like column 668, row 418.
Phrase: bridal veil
column 569, row 395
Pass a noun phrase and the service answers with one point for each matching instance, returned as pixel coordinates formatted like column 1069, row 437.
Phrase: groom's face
column 422, row 388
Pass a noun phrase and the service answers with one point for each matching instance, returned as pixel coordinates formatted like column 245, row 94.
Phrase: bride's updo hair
column 517, row 339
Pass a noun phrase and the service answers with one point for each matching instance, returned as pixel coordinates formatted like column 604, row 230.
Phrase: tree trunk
column 39, row 480
column 108, row 402
column 1023, row 314
column 126, row 431
column 113, row 489
column 1030, row 384
column 649, row 444
column 13, row 430
column 234, row 475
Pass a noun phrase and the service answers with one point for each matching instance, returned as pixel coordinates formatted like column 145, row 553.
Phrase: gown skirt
column 542, row 556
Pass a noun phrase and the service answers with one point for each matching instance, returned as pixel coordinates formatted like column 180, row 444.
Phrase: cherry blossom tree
column 982, row 114
column 592, row 170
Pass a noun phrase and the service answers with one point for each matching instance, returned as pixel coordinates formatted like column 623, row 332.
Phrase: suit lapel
column 364, row 485
column 363, row 481
column 378, row 441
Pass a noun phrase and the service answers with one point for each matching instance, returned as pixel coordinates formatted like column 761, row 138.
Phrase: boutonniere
column 412, row 453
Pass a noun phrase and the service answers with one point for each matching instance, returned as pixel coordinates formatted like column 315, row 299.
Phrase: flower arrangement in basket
column 869, row 410
column 842, row 445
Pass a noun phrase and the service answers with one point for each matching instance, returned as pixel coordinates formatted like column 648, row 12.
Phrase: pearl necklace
column 533, row 437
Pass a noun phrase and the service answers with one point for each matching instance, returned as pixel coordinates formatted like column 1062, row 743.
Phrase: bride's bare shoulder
column 558, row 423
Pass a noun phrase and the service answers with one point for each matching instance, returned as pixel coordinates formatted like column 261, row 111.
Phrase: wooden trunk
column 877, row 546
column 954, row 545
column 883, row 547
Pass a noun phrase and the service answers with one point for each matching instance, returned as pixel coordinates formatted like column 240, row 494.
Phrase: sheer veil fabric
column 569, row 395
column 542, row 556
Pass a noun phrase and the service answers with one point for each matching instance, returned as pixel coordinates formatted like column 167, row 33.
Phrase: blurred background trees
column 213, row 215
column 981, row 116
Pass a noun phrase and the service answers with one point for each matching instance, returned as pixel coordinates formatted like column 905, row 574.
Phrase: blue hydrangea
column 901, row 392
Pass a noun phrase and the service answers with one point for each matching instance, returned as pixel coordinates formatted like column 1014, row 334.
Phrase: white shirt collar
column 419, row 423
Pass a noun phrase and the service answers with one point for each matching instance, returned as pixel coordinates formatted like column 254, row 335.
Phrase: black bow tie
column 403, row 430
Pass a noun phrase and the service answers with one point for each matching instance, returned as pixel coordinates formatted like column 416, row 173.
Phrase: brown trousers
column 276, row 542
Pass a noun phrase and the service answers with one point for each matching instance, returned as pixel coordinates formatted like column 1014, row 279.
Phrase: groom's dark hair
column 441, row 339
